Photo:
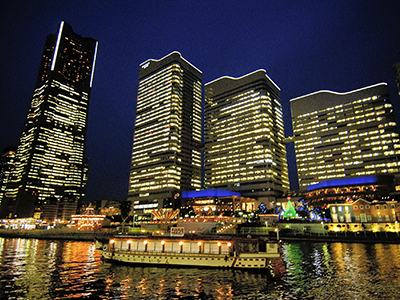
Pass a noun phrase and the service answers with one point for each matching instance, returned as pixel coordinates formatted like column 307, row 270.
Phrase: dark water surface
column 44, row 269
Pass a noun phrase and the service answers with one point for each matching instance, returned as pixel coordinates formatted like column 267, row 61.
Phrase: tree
column 126, row 211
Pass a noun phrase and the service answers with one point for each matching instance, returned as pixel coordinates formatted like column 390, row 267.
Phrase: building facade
column 216, row 202
column 244, row 149
column 369, row 188
column 339, row 135
column 50, row 158
column 362, row 211
column 166, row 155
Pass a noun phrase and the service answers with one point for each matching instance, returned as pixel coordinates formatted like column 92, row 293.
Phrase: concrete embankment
column 56, row 234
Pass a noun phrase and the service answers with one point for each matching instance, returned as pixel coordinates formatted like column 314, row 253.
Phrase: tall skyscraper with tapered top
column 244, row 149
column 339, row 135
column 50, row 158
column 166, row 155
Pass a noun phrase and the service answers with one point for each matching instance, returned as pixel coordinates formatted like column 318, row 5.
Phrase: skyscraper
column 244, row 149
column 349, row 134
column 166, row 155
column 50, row 158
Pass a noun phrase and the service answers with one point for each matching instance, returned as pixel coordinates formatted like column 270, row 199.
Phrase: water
column 44, row 269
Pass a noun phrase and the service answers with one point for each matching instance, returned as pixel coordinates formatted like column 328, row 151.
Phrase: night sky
column 304, row 46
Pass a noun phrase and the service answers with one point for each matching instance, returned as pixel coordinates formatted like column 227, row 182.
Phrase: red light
column 151, row 132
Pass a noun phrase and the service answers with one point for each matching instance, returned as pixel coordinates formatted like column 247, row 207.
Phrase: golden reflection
column 387, row 257
column 143, row 286
column 161, row 288
column 178, row 291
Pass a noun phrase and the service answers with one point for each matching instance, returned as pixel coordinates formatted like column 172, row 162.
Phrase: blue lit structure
column 344, row 182
column 209, row 193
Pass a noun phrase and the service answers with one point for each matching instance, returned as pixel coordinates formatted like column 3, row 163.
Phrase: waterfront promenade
column 285, row 232
column 56, row 234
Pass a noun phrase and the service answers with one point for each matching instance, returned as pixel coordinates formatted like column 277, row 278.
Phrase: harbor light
column 181, row 244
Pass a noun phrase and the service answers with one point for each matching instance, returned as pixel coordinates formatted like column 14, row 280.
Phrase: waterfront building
column 216, row 202
column 166, row 154
column 350, row 188
column 244, row 149
column 110, row 208
column 339, row 135
column 363, row 211
column 50, row 158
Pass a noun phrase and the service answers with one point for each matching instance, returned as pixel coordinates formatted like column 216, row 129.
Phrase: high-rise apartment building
column 244, row 149
column 50, row 158
column 349, row 134
column 166, row 155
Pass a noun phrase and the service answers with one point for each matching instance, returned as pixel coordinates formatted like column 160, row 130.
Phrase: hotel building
column 349, row 134
column 50, row 158
column 166, row 155
column 244, row 149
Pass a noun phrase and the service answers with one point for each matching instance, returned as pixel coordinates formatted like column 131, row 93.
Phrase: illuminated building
column 215, row 202
column 7, row 162
column 365, row 211
column 50, row 158
column 349, row 188
column 244, row 149
column 89, row 220
column 166, row 157
column 349, row 134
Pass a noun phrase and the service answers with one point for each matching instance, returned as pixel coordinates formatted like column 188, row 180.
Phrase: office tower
column 244, row 131
column 166, row 155
column 50, row 158
column 349, row 134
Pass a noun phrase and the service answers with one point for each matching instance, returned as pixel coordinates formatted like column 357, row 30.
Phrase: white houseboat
column 243, row 253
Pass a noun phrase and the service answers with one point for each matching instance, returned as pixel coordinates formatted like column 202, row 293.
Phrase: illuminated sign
column 178, row 231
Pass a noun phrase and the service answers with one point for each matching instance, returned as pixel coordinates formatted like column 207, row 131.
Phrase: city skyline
column 304, row 47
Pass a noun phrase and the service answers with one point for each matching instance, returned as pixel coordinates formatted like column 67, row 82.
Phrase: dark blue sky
column 304, row 46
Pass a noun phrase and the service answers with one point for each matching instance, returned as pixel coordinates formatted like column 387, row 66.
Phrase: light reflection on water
column 40, row 269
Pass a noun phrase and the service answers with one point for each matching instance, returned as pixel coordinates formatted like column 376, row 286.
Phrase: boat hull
column 182, row 260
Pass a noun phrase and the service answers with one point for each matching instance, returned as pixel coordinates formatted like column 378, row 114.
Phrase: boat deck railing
column 180, row 254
